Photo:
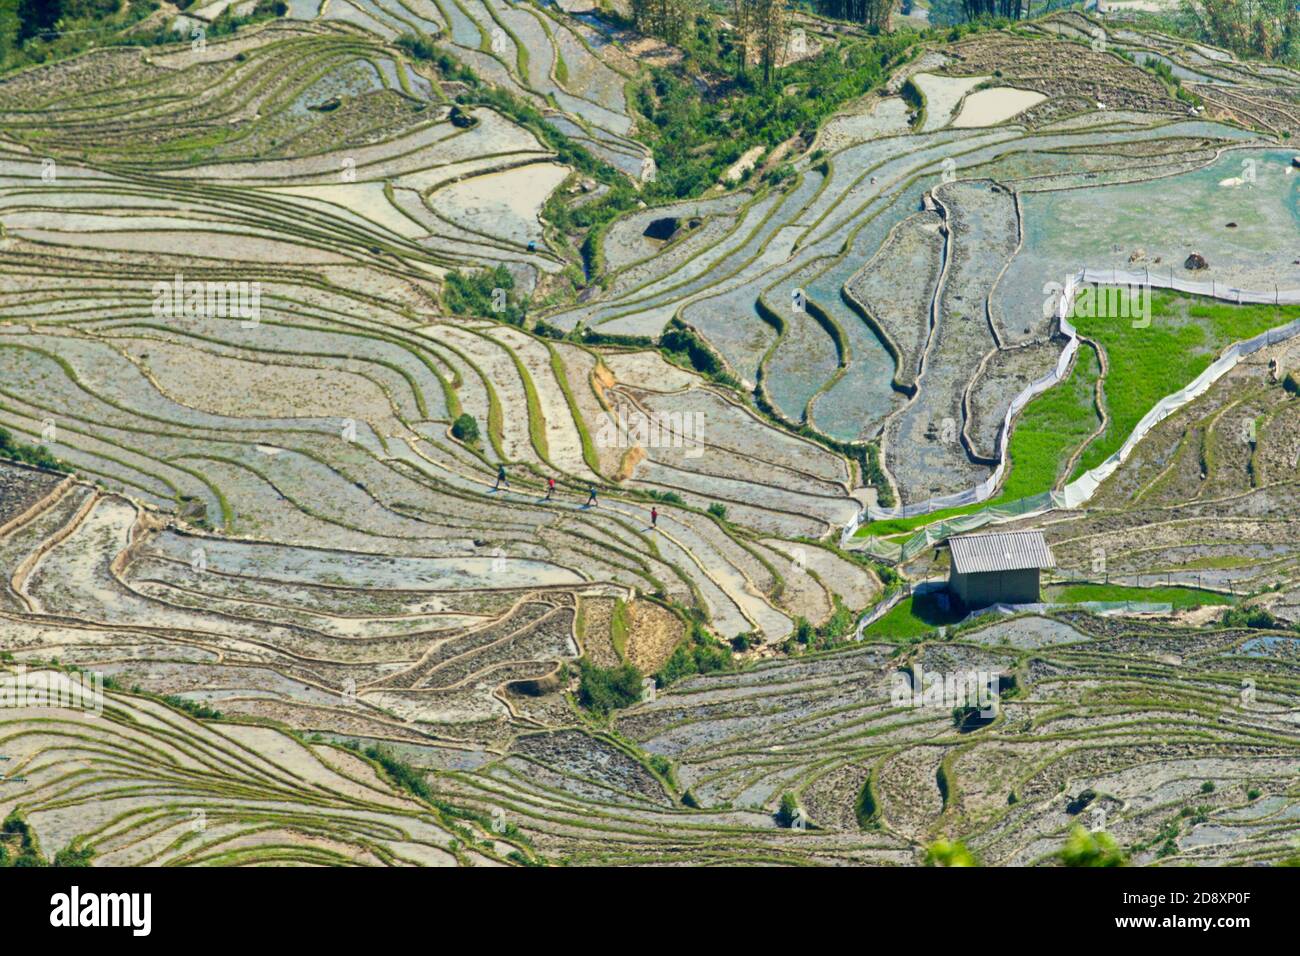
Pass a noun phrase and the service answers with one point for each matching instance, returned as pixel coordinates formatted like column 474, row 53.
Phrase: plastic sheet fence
column 897, row 552
column 1085, row 486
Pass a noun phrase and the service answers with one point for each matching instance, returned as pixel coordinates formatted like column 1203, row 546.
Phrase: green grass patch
column 1044, row 437
column 1186, row 334
column 913, row 617
column 1051, row 427
column 619, row 625
column 1179, row 597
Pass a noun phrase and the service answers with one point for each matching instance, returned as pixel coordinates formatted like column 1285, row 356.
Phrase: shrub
column 1091, row 849
column 682, row 343
column 602, row 689
column 487, row 293
column 662, row 766
column 803, row 631
column 401, row 773
column 718, row 510
column 1207, row 787
column 1255, row 617
column 465, row 429
column 837, row 627
column 419, row 47
column 14, row 450
column 16, row 829
column 788, row 811
column 702, row 655
column 74, row 856
column 670, row 497
column 949, row 853
column 192, row 707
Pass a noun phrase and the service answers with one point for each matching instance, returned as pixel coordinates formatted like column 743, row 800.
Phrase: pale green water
column 1169, row 218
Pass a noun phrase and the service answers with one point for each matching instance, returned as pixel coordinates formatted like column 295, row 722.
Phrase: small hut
column 998, row 568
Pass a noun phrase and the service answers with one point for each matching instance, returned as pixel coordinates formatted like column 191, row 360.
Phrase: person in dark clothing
column 591, row 499
column 501, row 478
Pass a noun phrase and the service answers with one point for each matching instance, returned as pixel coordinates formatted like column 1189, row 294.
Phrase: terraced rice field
column 353, row 561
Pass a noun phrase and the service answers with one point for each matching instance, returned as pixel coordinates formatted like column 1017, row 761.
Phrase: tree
column 37, row 17
column 770, row 26
column 9, row 28
column 742, row 20
column 1263, row 28
column 1091, row 849
column 873, row 14
column 465, row 429
column 949, row 853
column 665, row 19
column 1007, row 9
column 788, row 811
column 603, row 689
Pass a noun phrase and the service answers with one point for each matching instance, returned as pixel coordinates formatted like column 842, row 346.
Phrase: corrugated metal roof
column 1000, row 551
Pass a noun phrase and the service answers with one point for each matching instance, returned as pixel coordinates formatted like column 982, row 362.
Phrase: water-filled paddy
column 1168, row 219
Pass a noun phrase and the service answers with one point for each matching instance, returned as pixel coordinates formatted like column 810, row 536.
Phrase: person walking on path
column 654, row 517
column 550, row 488
column 591, row 499
column 501, row 478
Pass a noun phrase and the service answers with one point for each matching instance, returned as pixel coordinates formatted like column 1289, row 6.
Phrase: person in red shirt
column 550, row 488
column 654, row 517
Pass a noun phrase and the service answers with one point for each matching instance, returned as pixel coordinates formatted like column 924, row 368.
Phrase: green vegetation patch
column 1179, row 597
column 14, row 450
column 913, row 617
column 1148, row 362
column 603, row 689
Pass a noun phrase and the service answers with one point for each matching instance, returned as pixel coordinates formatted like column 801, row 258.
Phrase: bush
column 74, row 856
column 465, row 429
column 838, row 626
column 16, row 829
column 419, row 47
column 670, row 497
column 403, row 774
column 803, row 631
column 1091, row 849
column 718, row 510
column 949, row 853
column 788, row 811
column 488, row 294
column 702, row 655
column 1255, row 617
column 14, row 450
column 680, row 342
column 192, row 707
column 602, row 689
